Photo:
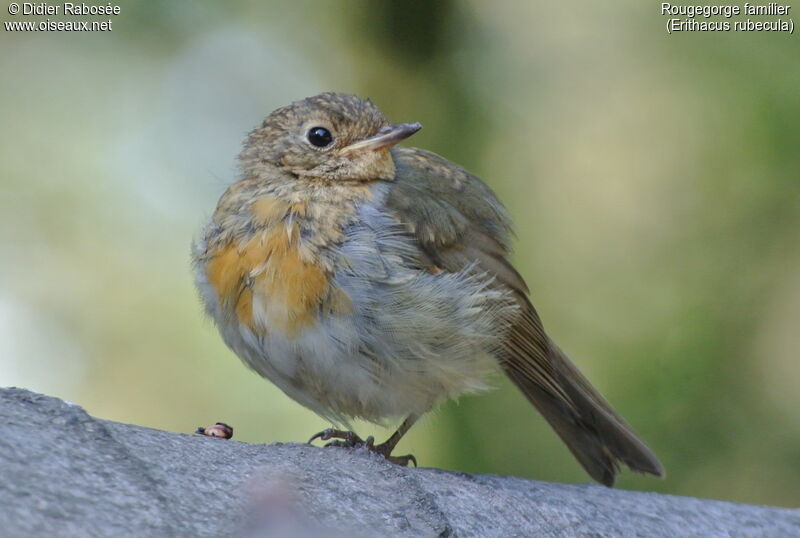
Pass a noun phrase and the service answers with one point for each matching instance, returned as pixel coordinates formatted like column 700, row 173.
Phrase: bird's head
column 330, row 137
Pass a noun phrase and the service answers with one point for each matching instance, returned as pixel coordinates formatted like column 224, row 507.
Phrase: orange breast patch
column 263, row 280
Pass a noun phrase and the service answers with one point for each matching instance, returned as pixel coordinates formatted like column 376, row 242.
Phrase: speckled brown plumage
column 369, row 280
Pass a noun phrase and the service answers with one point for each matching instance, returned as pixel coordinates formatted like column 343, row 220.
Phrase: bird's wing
column 457, row 221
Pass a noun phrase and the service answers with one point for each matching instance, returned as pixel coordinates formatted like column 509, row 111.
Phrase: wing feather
column 458, row 221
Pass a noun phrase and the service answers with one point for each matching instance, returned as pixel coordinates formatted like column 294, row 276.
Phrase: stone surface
column 65, row 473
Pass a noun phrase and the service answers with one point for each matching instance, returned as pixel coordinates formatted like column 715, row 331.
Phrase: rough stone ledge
column 65, row 473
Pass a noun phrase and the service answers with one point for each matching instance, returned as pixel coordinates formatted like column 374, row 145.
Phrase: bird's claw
column 344, row 438
column 402, row 461
column 348, row 439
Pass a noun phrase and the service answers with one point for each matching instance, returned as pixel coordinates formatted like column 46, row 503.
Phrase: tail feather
column 595, row 434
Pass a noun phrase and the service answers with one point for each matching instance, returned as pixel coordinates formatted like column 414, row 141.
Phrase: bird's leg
column 348, row 439
column 385, row 449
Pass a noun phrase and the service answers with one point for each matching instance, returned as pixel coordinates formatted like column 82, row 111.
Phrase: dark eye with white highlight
column 319, row 137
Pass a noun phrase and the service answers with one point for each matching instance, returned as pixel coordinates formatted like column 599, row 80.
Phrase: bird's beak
column 386, row 137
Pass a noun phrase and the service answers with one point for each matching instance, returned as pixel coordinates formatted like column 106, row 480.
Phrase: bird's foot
column 402, row 461
column 348, row 439
column 344, row 439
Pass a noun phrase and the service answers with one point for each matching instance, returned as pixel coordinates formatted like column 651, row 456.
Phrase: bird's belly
column 327, row 368
column 312, row 335
column 374, row 348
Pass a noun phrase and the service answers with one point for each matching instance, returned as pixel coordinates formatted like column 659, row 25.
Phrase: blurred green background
column 653, row 180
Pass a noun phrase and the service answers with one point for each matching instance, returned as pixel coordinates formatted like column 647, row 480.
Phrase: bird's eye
column 319, row 137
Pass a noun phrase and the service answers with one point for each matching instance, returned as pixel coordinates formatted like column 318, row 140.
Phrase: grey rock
column 65, row 473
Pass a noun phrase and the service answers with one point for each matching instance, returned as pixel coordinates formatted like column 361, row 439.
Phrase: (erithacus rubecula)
column 370, row 280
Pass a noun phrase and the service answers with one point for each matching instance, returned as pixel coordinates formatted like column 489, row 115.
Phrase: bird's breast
column 272, row 275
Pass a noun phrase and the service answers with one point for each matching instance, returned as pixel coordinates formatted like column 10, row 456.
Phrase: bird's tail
column 595, row 434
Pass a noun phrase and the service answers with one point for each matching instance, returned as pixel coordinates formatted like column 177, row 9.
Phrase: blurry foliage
column 653, row 180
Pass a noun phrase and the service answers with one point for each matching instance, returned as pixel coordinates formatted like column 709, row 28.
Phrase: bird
column 370, row 280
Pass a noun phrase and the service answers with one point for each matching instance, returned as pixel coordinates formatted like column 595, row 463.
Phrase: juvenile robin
column 370, row 280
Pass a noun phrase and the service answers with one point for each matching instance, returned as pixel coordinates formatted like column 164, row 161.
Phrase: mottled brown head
column 329, row 137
